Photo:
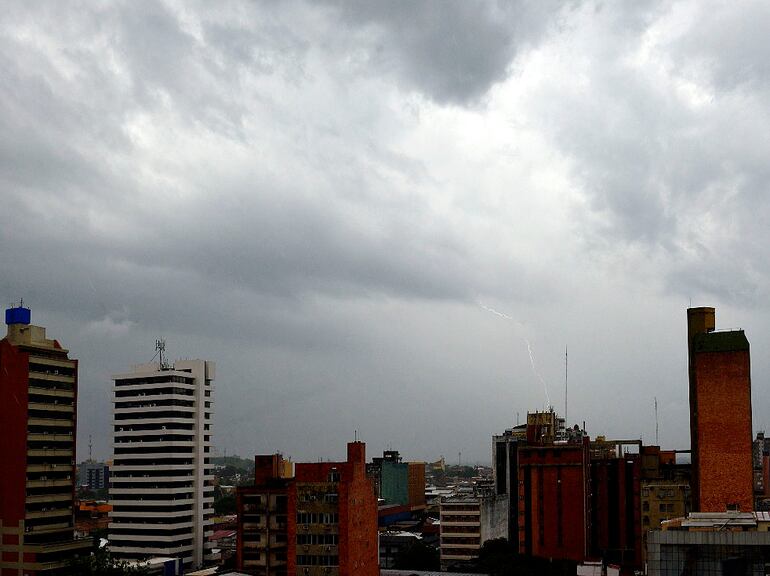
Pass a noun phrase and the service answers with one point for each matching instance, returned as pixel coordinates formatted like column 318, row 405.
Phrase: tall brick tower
column 720, row 415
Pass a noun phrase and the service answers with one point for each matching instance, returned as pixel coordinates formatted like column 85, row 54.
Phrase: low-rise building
column 322, row 521
column 469, row 520
column 94, row 475
column 707, row 543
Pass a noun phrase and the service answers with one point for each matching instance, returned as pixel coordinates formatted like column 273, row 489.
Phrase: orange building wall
column 358, row 543
column 416, row 484
column 723, row 392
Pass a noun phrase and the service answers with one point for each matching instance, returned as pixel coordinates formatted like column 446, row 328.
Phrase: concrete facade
column 467, row 521
column 161, row 483
column 707, row 553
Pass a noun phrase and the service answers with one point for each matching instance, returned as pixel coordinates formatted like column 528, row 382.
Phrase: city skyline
column 390, row 223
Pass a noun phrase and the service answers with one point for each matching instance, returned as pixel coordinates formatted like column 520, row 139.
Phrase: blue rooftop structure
column 18, row 315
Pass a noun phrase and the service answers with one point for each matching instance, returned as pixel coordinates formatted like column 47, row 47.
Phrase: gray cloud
column 312, row 195
column 451, row 51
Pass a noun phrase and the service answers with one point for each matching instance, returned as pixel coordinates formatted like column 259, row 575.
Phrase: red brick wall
column 358, row 544
column 616, row 510
column 556, row 477
column 359, row 553
column 724, row 473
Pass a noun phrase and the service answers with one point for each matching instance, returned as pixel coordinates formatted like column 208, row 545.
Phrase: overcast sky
column 369, row 214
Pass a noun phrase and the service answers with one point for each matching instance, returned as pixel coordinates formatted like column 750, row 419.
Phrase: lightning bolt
column 529, row 348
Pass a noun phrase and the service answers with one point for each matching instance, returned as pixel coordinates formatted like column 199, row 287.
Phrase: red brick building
column 323, row 521
column 38, row 401
column 720, row 415
column 616, row 534
column 416, row 475
column 554, row 513
column 333, row 512
column 262, row 542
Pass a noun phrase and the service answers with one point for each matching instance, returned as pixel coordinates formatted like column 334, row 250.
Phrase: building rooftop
column 722, row 341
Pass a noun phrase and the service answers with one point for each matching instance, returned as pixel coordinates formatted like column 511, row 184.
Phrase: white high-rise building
column 161, row 481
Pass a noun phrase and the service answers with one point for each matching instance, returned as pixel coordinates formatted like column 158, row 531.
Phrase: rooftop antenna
column 566, row 367
column 657, row 442
column 90, row 446
column 160, row 350
column 355, row 435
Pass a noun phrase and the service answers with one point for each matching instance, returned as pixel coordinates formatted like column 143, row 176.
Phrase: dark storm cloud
column 451, row 51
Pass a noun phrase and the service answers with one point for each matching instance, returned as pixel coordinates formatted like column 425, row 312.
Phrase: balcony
column 50, row 422
column 37, row 498
column 50, row 468
column 49, row 513
column 49, row 483
column 50, row 452
column 56, row 392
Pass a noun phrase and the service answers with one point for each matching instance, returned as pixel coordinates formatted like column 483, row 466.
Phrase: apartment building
column 38, row 416
column 161, row 478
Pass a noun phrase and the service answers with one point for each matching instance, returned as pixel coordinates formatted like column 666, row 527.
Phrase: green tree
column 225, row 504
column 101, row 563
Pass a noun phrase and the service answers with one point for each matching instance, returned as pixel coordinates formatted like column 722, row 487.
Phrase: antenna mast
column 566, row 367
column 657, row 442
column 160, row 349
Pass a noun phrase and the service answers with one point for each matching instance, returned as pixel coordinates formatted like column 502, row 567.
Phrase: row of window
column 317, row 560
column 318, row 539
column 154, row 392
column 318, row 497
column 154, row 380
column 318, row 518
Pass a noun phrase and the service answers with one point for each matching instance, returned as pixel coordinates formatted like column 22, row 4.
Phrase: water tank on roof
column 18, row 315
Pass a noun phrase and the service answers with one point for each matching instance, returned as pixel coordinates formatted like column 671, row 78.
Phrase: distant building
column 161, row 479
column 398, row 483
column 665, row 490
column 724, row 543
column 720, row 415
column 91, row 516
column 467, row 521
column 94, row 475
column 38, row 408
